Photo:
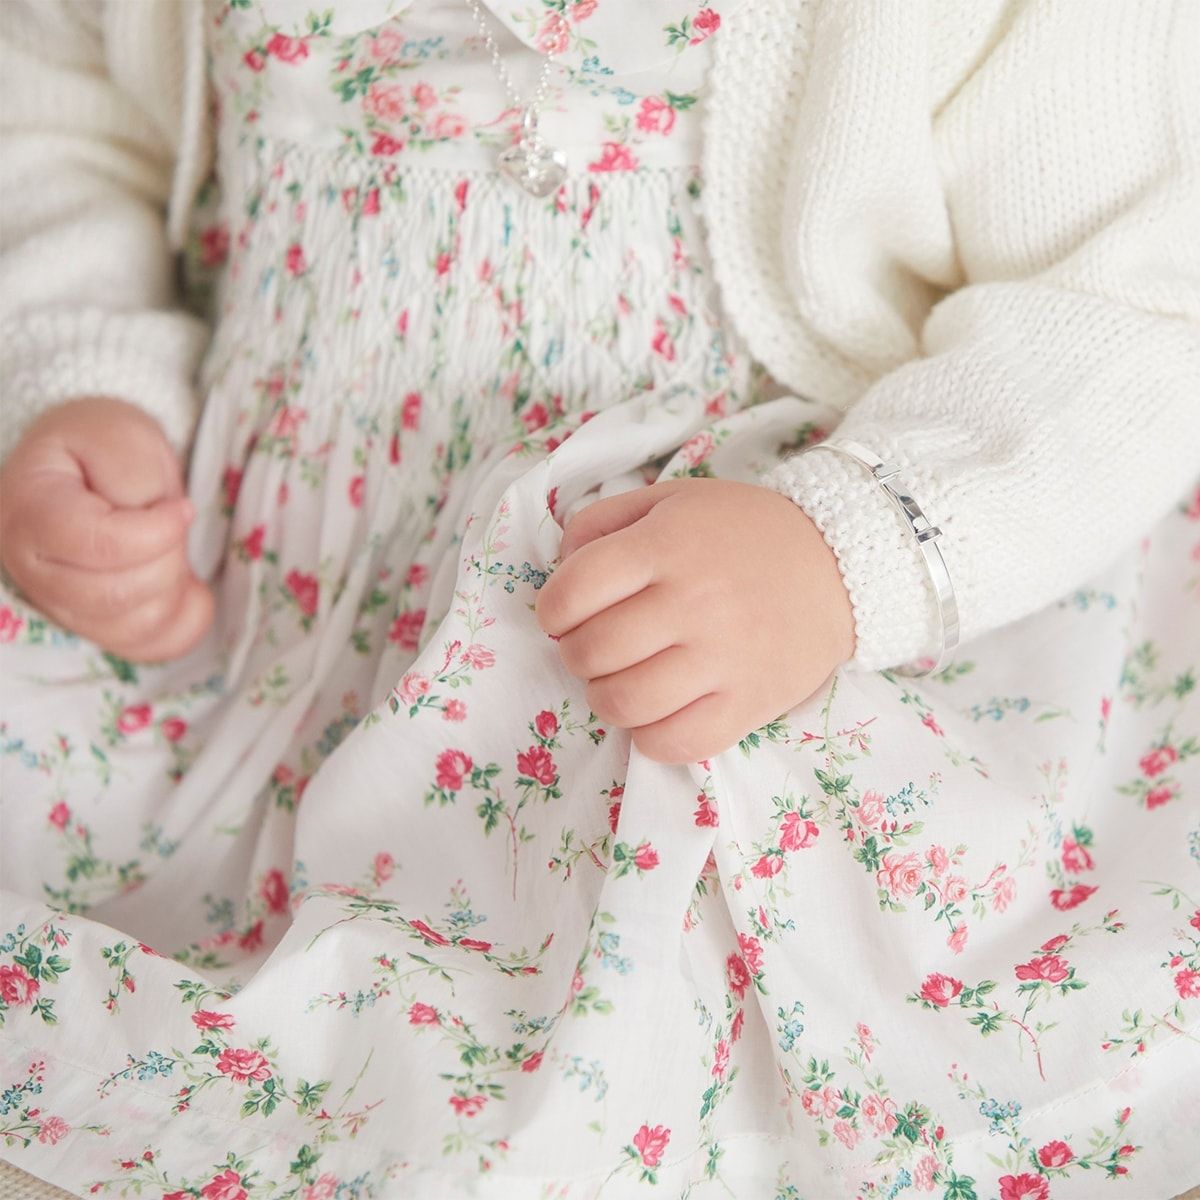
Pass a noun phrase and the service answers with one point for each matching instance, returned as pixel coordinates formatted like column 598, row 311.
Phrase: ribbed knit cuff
column 147, row 358
column 895, row 608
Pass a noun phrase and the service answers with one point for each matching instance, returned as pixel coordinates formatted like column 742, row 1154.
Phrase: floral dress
column 360, row 899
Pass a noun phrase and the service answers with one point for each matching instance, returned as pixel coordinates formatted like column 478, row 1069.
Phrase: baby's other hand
column 93, row 525
column 697, row 610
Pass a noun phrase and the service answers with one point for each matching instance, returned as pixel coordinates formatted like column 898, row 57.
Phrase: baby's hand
column 93, row 521
column 698, row 610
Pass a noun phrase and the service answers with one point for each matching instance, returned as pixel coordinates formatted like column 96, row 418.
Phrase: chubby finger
column 109, row 595
column 649, row 690
column 620, row 636
column 85, row 531
column 596, row 576
column 702, row 729
column 606, row 516
column 160, row 633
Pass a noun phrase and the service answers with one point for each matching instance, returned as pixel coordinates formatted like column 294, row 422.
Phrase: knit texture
column 971, row 228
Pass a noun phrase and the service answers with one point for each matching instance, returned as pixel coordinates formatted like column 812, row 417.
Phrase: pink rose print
column 651, row 1144
column 721, row 1059
column 535, row 417
column 877, row 1111
column 452, row 765
column 17, row 986
column 1004, row 893
column 1195, row 921
column 1024, row 1187
column 614, row 157
column 1157, row 797
column 288, row 49
column 1049, row 968
column 449, row 125
column 384, row 867
column 475, row 944
column 207, row 1019
column 385, row 145
column 737, row 975
column 410, row 411
column 1075, row 857
column 938, row 859
column 173, row 728
column 546, row 724
column 324, row 1189
column 845, row 1133
column 582, row 9
column 387, row 44
column 901, row 874
column 295, row 262
column 655, row 116
column 532, row 1063
column 10, row 624
column 797, row 833
column 423, row 1014
column 931, row 724
column 60, row 814
column 226, row 1186
column 957, row 941
column 646, row 858
column 468, row 1106
column 537, row 763
column 406, row 629
column 751, row 949
column 955, row 889
column 478, row 657
column 254, row 59
column 706, row 812
column 706, row 23
column 385, row 101
column 412, row 687
column 430, row 935
column 1158, row 760
column 244, row 1065
column 614, row 815
column 231, row 485
column 274, row 891
column 923, row 1173
column 52, row 1130
column 135, row 717
column 870, row 809
column 940, row 989
column 1055, row 1154
column 304, row 589
column 1055, row 943
column 735, row 1028
column 214, row 245
column 1187, row 984
column 1067, row 898
column 370, row 204
column 661, row 342
column 355, row 491
column 767, row 866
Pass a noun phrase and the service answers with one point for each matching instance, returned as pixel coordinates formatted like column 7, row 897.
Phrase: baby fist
column 697, row 610
column 93, row 521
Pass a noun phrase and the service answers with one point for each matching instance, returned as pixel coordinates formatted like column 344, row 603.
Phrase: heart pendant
column 537, row 169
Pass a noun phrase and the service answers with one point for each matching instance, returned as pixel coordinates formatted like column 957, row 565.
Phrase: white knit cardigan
column 973, row 227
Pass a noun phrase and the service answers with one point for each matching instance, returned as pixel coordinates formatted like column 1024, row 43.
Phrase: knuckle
column 613, row 700
column 578, row 656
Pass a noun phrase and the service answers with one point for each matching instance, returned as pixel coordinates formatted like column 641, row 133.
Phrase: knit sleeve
column 1052, row 414
column 87, row 291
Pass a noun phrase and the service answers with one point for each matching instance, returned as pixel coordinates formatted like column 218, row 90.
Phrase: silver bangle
column 925, row 535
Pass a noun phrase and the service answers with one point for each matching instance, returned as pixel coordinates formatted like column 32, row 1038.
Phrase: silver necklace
column 528, row 162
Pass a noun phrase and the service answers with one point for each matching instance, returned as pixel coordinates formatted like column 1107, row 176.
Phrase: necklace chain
column 528, row 162
column 528, row 108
